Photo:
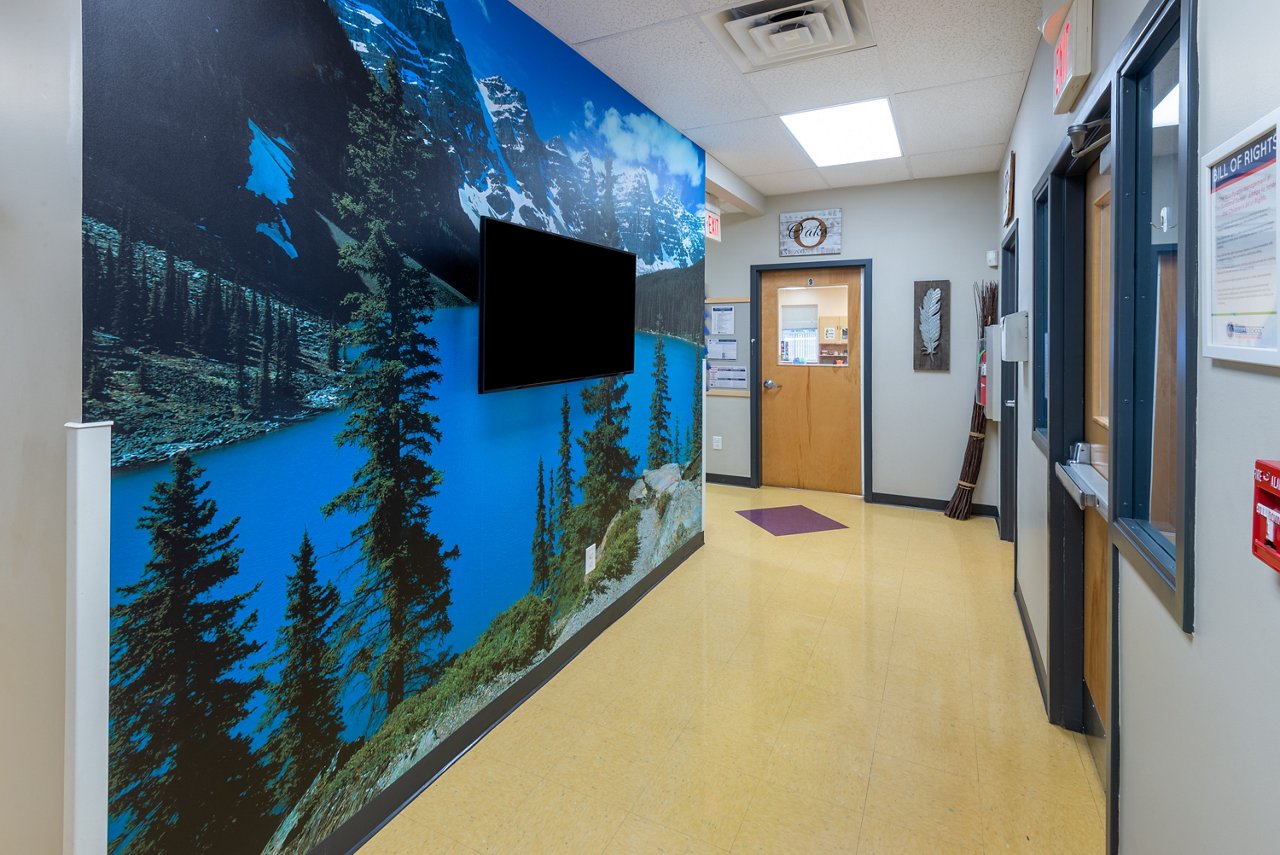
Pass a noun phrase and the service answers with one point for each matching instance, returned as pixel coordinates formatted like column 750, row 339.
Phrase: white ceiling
column 953, row 70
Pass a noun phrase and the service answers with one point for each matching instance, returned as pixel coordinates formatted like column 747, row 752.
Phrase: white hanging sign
column 809, row 232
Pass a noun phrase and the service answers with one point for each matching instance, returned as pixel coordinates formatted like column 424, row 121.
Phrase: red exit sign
column 1073, row 56
column 712, row 229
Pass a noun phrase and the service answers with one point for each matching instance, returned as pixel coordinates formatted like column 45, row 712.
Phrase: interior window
column 1156, row 287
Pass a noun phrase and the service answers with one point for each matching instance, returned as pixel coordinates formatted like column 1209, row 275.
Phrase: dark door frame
column 1067, row 209
column 1009, row 392
column 864, row 333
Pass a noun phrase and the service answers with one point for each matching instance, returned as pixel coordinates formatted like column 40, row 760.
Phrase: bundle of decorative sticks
column 984, row 298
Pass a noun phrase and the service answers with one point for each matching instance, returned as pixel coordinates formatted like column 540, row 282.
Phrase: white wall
column 1200, row 731
column 40, row 385
column 1200, row 744
column 911, row 230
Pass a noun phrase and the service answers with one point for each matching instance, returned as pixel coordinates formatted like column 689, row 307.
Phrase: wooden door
column 1097, row 431
column 811, row 414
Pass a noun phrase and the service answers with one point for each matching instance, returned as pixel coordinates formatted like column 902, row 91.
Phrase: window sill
column 1041, row 440
column 1153, row 562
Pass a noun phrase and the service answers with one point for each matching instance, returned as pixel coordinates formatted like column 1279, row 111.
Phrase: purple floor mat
column 793, row 519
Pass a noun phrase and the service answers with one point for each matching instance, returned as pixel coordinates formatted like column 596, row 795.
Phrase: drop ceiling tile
column 934, row 42
column 752, row 147
column 963, row 115
column 823, row 82
column 701, row 6
column 871, row 172
column 782, row 183
column 968, row 161
column 675, row 70
column 579, row 20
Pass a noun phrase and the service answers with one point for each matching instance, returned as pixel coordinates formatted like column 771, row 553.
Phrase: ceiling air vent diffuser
column 767, row 34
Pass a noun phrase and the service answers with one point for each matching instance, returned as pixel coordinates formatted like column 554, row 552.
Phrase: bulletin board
column 727, row 333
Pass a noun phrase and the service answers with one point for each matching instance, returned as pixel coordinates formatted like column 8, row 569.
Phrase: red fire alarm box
column 1266, row 512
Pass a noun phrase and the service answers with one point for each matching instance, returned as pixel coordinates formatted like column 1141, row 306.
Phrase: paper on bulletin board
column 722, row 348
column 721, row 320
column 727, row 377
column 1243, row 296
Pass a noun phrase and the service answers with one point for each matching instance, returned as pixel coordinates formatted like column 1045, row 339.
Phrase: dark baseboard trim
column 928, row 504
column 366, row 822
column 1033, row 646
column 730, row 480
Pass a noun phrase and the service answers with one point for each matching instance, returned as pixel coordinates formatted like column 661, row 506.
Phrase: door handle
column 769, row 384
column 1081, row 494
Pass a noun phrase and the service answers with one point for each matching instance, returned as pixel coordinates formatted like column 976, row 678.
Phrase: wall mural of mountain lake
column 328, row 552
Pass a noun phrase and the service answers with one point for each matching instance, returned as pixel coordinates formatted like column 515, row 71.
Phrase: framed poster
column 1239, row 219
column 809, row 232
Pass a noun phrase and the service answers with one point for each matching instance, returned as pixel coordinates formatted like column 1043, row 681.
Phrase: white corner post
column 84, row 787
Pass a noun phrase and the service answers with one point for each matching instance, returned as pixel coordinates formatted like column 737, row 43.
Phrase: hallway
column 866, row 689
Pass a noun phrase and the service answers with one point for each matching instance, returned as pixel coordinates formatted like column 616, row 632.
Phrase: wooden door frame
column 1008, row 518
column 864, row 334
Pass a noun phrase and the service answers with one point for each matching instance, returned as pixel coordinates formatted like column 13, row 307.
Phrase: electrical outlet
column 717, row 442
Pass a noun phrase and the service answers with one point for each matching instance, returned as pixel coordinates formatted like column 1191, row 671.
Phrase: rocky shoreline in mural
column 669, row 501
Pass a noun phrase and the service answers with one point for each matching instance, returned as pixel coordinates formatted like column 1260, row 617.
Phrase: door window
column 813, row 325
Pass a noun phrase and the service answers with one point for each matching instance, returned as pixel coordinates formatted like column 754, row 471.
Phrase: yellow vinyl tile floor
column 863, row 690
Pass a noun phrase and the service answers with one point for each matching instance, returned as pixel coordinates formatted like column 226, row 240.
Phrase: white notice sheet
column 721, row 320
column 727, row 377
column 1243, row 211
column 722, row 348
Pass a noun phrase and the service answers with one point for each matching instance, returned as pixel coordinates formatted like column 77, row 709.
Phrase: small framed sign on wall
column 809, row 232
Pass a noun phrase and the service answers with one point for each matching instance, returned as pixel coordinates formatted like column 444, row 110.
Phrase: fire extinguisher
column 982, row 377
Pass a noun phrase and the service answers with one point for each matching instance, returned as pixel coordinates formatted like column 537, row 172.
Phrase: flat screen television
column 552, row 308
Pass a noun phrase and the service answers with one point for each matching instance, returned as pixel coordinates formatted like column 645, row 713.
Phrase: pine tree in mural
column 552, row 517
column 182, row 778
column 397, row 615
column 562, row 495
column 660, row 450
column 610, row 468
column 541, row 536
column 126, row 313
column 608, row 206
column 332, row 356
column 266, row 389
column 694, row 444
column 287, row 352
column 302, row 708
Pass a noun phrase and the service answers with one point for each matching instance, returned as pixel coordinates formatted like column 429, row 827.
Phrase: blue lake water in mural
column 277, row 484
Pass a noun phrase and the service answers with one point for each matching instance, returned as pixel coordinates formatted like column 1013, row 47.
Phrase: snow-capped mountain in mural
column 502, row 168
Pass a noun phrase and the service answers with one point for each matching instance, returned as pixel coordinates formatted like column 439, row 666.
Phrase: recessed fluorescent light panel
column 850, row 133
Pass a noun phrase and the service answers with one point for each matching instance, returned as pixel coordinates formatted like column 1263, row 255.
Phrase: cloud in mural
column 589, row 114
column 639, row 138
column 484, row 9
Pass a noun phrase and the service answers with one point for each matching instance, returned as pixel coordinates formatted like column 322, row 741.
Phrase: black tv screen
column 552, row 308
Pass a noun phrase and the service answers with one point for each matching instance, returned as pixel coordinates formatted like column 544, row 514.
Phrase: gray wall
column 926, row 229
column 1200, row 749
column 40, row 385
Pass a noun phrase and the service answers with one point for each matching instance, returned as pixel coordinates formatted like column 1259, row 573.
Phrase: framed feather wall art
column 932, row 322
